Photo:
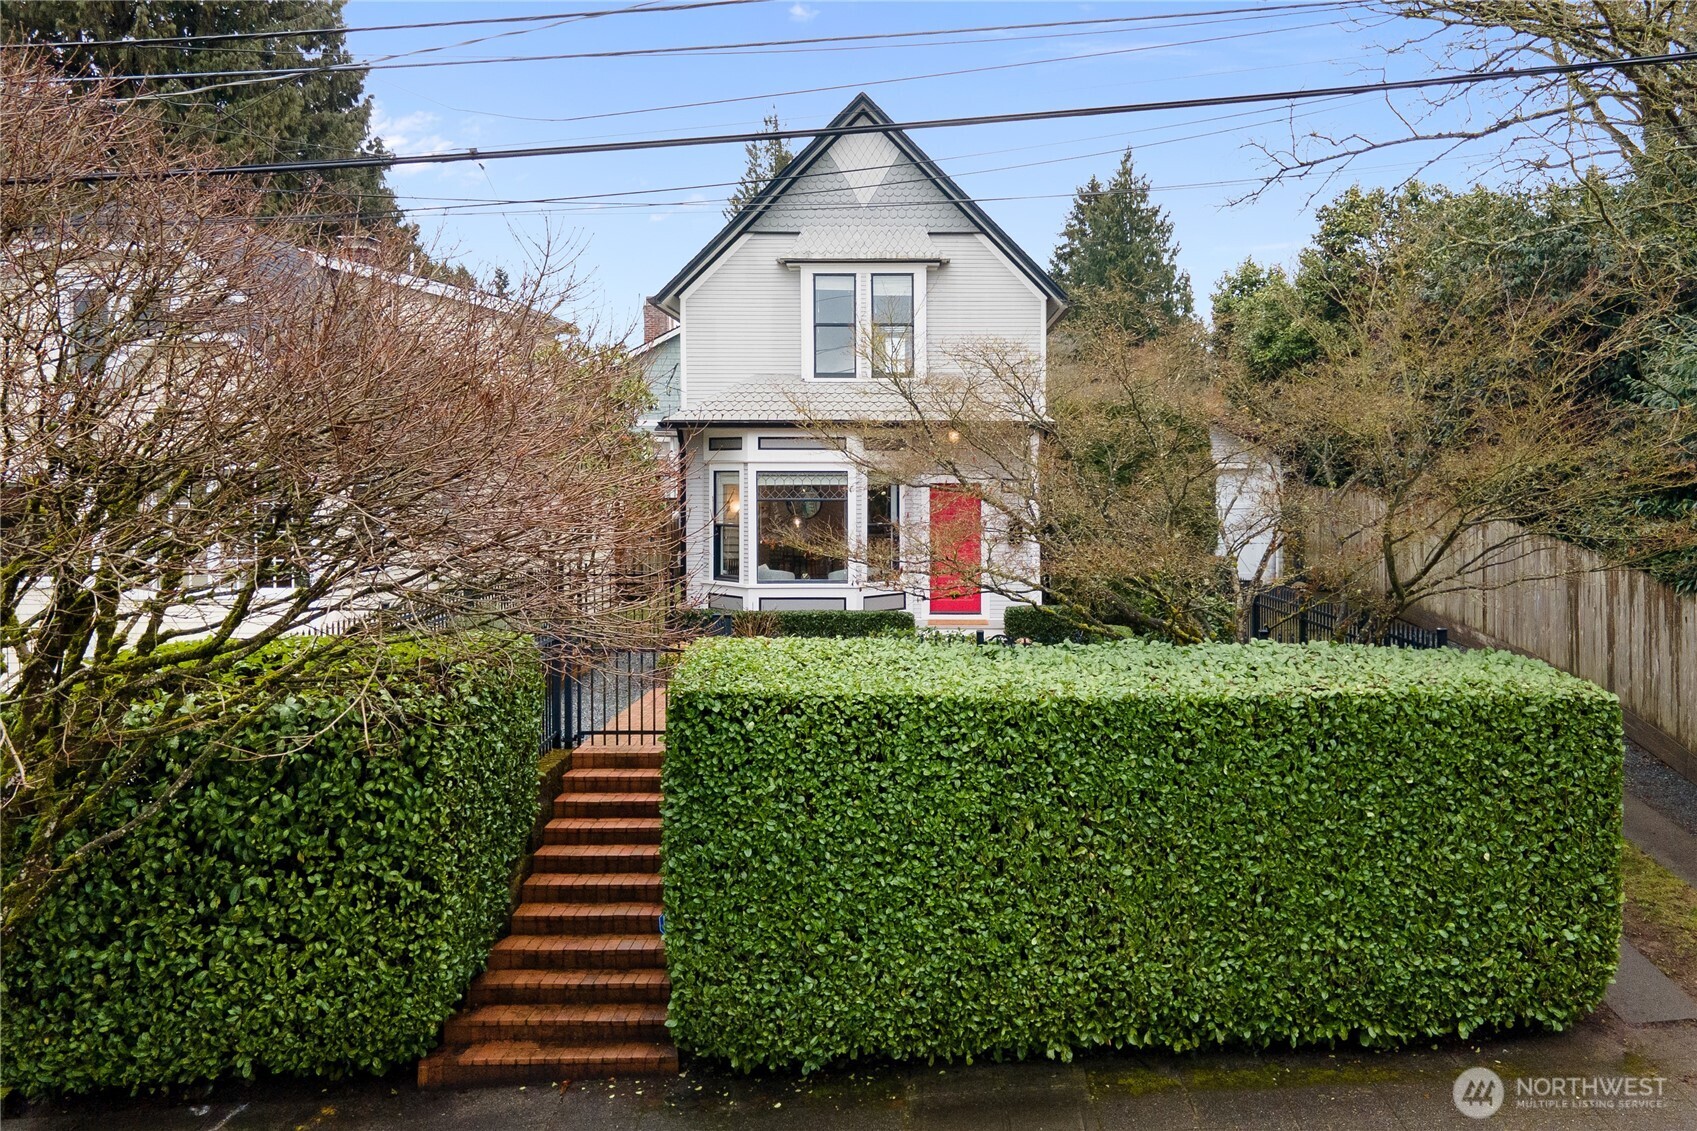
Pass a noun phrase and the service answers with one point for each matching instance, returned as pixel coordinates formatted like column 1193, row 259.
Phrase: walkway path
column 578, row 989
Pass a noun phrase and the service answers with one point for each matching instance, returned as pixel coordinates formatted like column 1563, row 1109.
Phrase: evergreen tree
column 1117, row 256
column 319, row 114
column 766, row 159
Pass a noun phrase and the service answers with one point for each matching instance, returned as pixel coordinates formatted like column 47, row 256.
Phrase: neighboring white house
column 862, row 237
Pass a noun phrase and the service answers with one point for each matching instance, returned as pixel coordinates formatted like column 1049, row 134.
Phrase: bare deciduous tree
column 212, row 439
column 1449, row 415
column 1097, row 486
column 1569, row 120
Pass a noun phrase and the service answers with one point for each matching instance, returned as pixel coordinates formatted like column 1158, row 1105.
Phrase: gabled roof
column 861, row 106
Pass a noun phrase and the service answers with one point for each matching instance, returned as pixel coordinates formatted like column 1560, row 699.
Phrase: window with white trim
column 892, row 325
column 833, row 326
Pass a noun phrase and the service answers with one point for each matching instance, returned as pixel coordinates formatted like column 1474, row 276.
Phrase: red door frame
column 957, row 534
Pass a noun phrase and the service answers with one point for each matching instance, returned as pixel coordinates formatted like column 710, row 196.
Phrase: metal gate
column 608, row 695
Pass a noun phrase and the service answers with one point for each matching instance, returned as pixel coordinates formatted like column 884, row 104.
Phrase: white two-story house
column 861, row 238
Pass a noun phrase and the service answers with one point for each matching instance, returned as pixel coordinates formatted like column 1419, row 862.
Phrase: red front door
column 956, row 546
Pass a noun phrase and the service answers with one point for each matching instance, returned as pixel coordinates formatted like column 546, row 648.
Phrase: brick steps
column 616, row 757
column 572, row 887
column 602, row 830
column 596, row 858
column 585, row 918
column 644, row 779
column 607, row 805
column 578, row 987
column 516, row 1062
column 569, row 1024
column 563, row 987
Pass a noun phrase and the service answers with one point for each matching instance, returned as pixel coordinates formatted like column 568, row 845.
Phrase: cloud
column 801, row 13
column 417, row 132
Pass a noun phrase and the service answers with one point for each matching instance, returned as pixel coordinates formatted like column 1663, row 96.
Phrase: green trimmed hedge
column 1046, row 624
column 839, row 623
column 313, row 910
column 900, row 849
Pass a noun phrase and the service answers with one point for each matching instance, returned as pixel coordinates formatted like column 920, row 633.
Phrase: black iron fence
column 1294, row 617
column 604, row 694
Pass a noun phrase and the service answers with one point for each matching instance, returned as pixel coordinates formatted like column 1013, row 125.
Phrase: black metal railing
column 1294, row 617
column 609, row 695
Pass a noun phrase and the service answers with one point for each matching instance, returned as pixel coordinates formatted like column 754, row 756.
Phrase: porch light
column 954, row 437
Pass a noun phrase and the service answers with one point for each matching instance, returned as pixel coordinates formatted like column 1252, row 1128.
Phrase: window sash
column 833, row 325
column 892, row 322
column 727, row 526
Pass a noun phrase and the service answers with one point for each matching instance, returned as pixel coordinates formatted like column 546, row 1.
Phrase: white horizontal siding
column 977, row 296
column 743, row 320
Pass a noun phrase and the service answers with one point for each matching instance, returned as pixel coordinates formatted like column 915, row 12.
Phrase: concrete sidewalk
column 1346, row 1088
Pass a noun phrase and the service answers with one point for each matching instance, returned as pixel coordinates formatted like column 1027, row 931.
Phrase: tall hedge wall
column 309, row 910
column 893, row 848
column 808, row 622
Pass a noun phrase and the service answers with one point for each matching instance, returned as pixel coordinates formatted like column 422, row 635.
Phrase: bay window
column 727, row 525
column 803, row 519
column 883, row 527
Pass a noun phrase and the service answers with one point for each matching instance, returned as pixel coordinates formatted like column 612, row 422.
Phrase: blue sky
column 1200, row 161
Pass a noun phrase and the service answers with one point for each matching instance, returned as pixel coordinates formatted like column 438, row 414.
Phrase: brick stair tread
column 537, row 986
column 635, row 1012
column 586, row 917
column 604, row 859
column 597, row 779
column 602, row 830
column 567, row 1024
column 611, row 797
column 635, row 824
column 495, row 1062
column 606, row 951
column 587, row 887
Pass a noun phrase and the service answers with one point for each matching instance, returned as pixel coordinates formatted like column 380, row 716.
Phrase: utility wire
column 750, row 46
column 1141, row 48
column 387, row 161
column 297, row 33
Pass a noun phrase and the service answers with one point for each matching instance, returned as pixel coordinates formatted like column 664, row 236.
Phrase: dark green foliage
column 314, row 903
column 1048, row 624
column 813, row 622
column 1117, row 257
column 905, row 849
column 315, row 114
column 765, row 160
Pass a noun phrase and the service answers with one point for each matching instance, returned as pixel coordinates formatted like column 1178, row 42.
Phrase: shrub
column 812, row 622
column 1048, row 624
column 890, row 848
column 314, row 903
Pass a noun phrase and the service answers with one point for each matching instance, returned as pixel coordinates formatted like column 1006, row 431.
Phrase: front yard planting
column 888, row 848
column 314, row 903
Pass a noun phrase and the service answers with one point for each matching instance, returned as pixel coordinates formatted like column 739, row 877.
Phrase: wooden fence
column 1618, row 628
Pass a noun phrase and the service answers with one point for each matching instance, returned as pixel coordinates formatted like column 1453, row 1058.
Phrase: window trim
column 863, row 272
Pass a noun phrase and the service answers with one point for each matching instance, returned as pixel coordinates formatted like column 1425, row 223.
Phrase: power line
column 1141, row 48
column 298, row 33
column 386, row 161
column 750, row 46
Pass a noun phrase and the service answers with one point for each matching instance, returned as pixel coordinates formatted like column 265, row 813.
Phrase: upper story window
column 892, row 325
column 833, row 326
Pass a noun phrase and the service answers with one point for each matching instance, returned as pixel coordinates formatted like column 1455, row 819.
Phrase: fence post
column 1443, row 635
column 1255, row 618
column 1302, row 623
